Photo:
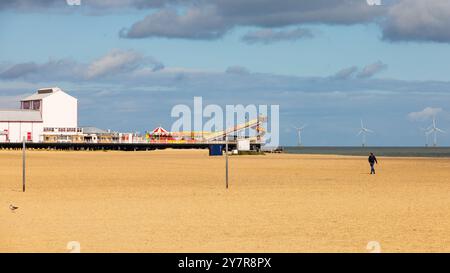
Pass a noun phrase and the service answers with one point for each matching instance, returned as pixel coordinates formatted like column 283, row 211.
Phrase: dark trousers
column 372, row 169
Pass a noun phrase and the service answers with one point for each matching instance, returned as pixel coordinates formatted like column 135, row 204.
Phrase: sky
column 326, row 63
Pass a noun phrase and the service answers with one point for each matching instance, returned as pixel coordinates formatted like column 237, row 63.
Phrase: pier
column 118, row 146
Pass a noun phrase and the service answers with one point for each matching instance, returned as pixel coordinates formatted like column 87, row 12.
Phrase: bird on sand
column 13, row 208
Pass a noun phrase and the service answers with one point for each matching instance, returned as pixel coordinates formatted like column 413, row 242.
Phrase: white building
column 50, row 112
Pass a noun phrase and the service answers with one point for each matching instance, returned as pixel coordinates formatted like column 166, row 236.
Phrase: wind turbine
column 434, row 130
column 299, row 134
column 427, row 134
column 364, row 131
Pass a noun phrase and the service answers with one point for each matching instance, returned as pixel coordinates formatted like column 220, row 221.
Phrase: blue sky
column 325, row 65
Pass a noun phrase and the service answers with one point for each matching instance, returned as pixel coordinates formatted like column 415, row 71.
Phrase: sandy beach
column 176, row 201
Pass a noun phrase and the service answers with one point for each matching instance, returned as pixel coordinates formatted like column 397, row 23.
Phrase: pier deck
column 117, row 146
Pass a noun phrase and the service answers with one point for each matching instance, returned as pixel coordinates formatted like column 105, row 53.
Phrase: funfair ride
column 159, row 135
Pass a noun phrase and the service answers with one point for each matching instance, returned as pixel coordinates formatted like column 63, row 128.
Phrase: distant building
column 49, row 115
column 96, row 135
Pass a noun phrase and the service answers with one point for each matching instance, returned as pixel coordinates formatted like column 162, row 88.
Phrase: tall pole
column 23, row 164
column 226, row 161
column 435, row 138
column 299, row 132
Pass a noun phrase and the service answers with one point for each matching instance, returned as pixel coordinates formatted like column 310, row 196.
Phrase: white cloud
column 116, row 60
column 425, row 114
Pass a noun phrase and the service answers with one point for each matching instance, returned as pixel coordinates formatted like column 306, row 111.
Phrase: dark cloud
column 157, row 66
column 268, row 36
column 131, row 69
column 237, row 69
column 345, row 73
column 195, row 23
column 39, row 5
column 418, row 20
column 290, row 12
column 120, row 61
column 30, row 5
column 367, row 71
column 114, row 63
column 372, row 69
column 402, row 20
column 399, row 20
column 19, row 70
column 38, row 72
column 212, row 19
column 139, row 4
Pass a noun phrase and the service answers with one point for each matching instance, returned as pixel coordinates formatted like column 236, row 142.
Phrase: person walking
column 372, row 161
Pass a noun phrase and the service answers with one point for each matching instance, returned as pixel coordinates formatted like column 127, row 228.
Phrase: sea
column 378, row 151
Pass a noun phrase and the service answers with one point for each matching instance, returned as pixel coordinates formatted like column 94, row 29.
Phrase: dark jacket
column 372, row 159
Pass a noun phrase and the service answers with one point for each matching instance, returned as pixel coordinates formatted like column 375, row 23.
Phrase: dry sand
column 175, row 201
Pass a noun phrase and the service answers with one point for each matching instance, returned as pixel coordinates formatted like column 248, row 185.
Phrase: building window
column 63, row 130
column 37, row 105
column 26, row 105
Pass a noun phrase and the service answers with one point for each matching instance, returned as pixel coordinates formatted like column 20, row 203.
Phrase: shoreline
column 284, row 152
column 422, row 152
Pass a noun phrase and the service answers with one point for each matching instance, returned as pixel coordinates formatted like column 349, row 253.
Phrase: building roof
column 93, row 130
column 20, row 115
column 42, row 93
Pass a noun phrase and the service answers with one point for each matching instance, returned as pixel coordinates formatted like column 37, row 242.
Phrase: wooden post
column 226, row 161
column 23, row 164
